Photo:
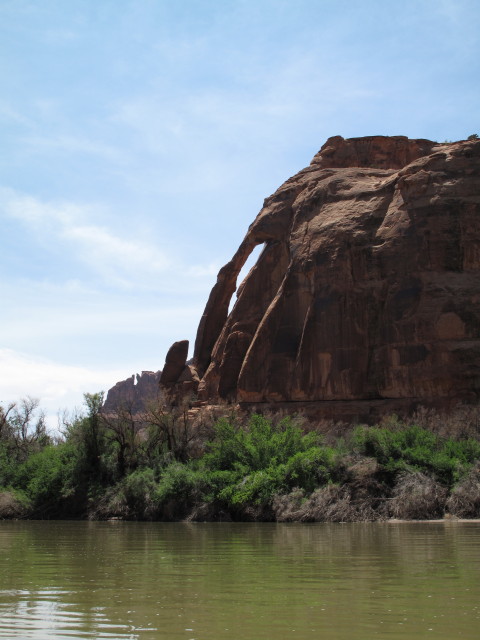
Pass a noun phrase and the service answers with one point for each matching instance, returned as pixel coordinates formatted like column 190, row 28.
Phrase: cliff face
column 368, row 286
column 134, row 393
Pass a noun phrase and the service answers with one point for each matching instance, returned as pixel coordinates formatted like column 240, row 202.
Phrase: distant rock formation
column 367, row 289
column 134, row 393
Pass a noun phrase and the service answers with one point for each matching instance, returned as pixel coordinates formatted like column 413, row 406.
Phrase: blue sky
column 139, row 139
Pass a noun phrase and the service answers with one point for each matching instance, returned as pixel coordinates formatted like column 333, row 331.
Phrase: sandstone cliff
column 134, row 393
column 367, row 288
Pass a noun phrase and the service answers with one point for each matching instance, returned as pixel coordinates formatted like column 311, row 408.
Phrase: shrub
column 416, row 496
column 179, row 488
column 139, row 490
column 256, row 488
column 311, row 468
column 417, row 449
column 464, row 500
column 8, row 466
column 13, row 504
column 332, row 503
column 257, row 447
column 46, row 478
column 250, row 466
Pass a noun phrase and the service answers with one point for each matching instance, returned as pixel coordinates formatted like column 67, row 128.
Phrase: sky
column 140, row 137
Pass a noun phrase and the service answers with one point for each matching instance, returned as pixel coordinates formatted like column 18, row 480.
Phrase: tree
column 122, row 431
column 93, row 427
column 23, row 427
column 86, row 432
column 176, row 428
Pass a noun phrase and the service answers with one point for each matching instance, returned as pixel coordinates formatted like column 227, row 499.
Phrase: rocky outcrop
column 179, row 379
column 134, row 394
column 175, row 363
column 367, row 288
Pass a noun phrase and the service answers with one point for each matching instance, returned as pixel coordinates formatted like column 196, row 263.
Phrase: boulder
column 174, row 363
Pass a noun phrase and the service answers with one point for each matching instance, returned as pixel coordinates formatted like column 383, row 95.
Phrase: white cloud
column 10, row 114
column 201, row 271
column 50, row 321
column 120, row 261
column 72, row 144
column 73, row 324
column 56, row 385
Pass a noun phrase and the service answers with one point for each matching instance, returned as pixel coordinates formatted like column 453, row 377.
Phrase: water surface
column 213, row 581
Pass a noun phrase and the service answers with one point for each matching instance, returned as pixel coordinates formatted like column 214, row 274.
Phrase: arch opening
column 250, row 262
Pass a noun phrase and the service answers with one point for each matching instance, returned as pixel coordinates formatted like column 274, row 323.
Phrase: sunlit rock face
column 368, row 286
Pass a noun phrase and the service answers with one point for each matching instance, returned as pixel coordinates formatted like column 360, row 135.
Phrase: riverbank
column 268, row 469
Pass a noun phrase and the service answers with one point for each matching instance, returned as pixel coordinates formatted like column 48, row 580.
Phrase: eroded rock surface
column 179, row 378
column 134, row 394
column 175, row 363
column 368, row 286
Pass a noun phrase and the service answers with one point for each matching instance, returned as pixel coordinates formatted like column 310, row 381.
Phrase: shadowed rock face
column 175, row 363
column 179, row 379
column 134, row 393
column 368, row 286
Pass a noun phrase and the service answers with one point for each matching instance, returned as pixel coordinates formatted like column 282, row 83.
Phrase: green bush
column 8, row 466
column 410, row 447
column 312, row 468
column 46, row 478
column 179, row 482
column 258, row 446
column 139, row 489
column 243, row 472
column 13, row 503
column 251, row 465
column 257, row 487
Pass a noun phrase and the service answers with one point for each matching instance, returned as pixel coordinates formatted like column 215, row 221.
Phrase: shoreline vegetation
column 178, row 464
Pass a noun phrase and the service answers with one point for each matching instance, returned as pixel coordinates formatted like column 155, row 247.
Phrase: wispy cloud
column 199, row 271
column 44, row 314
column 140, row 143
column 13, row 115
column 55, row 385
column 118, row 260
column 47, row 379
column 208, row 132
column 74, row 144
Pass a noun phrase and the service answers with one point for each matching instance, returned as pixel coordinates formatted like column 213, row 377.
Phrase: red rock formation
column 175, row 363
column 178, row 378
column 368, row 286
column 134, row 393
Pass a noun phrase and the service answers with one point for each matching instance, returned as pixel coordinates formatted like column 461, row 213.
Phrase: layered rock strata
column 367, row 288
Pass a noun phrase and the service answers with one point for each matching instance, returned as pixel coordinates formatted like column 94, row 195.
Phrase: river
column 76, row 580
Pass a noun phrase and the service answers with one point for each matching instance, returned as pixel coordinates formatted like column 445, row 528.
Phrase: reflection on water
column 44, row 613
column 249, row 581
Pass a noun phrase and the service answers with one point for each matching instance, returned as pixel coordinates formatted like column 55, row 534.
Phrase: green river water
column 239, row 581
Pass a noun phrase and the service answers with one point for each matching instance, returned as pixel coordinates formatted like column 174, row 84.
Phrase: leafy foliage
column 159, row 465
column 46, row 478
column 417, row 449
column 264, row 459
